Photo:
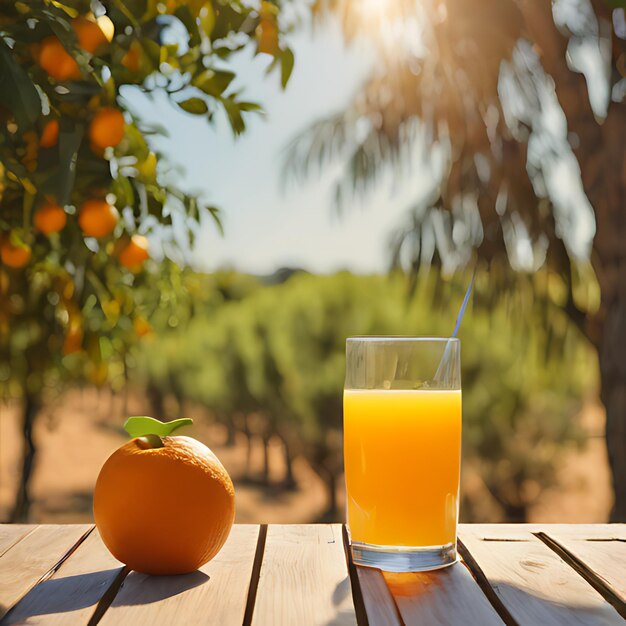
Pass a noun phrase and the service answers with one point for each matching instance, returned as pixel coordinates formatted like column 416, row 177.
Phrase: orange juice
column 402, row 456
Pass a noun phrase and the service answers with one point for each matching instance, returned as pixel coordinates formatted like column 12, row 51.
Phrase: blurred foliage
column 463, row 98
column 272, row 364
column 75, row 289
column 505, row 120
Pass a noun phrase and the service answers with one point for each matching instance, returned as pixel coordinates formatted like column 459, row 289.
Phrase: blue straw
column 468, row 293
column 459, row 318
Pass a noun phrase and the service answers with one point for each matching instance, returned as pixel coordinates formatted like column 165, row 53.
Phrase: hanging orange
column 91, row 33
column 73, row 341
column 50, row 218
column 56, row 60
column 142, row 326
column 15, row 256
column 164, row 510
column 97, row 218
column 132, row 59
column 267, row 37
column 106, row 128
column 49, row 134
column 134, row 253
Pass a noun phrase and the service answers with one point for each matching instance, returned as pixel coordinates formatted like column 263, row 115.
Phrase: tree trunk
column 514, row 512
column 265, row 478
column 330, row 482
column 21, row 509
column 111, row 412
column 231, row 433
column 602, row 159
column 248, row 434
column 613, row 377
column 604, row 175
column 289, row 482
column 156, row 399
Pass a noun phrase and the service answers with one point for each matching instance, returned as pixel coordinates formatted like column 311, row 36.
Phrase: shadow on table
column 342, row 591
column 63, row 595
column 345, row 614
column 83, row 591
column 144, row 589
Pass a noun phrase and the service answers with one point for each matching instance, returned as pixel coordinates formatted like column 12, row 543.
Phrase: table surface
column 302, row 574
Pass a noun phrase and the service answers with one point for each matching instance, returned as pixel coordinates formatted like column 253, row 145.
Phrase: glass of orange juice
column 402, row 451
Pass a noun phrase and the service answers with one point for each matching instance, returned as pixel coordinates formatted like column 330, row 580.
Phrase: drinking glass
column 402, row 451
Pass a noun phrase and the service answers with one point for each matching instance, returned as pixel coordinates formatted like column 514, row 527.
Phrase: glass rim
column 401, row 338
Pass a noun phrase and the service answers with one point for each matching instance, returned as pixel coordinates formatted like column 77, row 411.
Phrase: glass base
column 403, row 558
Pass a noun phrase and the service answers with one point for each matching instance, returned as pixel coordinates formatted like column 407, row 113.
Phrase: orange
column 142, row 327
column 268, row 11
column 50, row 218
column 132, row 59
column 164, row 510
column 15, row 256
column 97, row 218
column 49, row 134
column 267, row 37
column 73, row 340
column 92, row 34
column 56, row 60
column 135, row 253
column 106, row 128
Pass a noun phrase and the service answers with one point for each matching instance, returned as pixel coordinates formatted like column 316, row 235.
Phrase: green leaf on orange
column 142, row 425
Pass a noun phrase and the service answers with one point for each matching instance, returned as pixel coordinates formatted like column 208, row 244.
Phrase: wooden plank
column 604, row 558
column 447, row 596
column 533, row 583
column 513, row 532
column 304, row 578
column 379, row 605
column 215, row 594
column 23, row 565
column 71, row 595
column 10, row 534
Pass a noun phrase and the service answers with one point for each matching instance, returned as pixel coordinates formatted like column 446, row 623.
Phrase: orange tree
column 79, row 188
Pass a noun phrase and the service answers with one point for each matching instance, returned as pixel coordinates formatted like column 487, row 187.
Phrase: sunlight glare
column 396, row 25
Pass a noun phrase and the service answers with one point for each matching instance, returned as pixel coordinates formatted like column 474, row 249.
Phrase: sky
column 269, row 225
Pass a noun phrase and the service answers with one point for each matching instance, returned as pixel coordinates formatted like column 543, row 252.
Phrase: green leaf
column 152, row 51
column 70, row 137
column 141, row 425
column 17, row 91
column 617, row 4
column 207, row 18
column 69, row 10
column 187, row 19
column 123, row 190
column 213, row 82
column 229, row 17
column 196, row 106
column 250, row 106
column 234, row 116
column 286, row 66
column 215, row 214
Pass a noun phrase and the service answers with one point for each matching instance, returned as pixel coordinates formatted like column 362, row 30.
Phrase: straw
column 459, row 319
column 468, row 293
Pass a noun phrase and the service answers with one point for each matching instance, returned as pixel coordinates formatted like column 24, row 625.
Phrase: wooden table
column 299, row 575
